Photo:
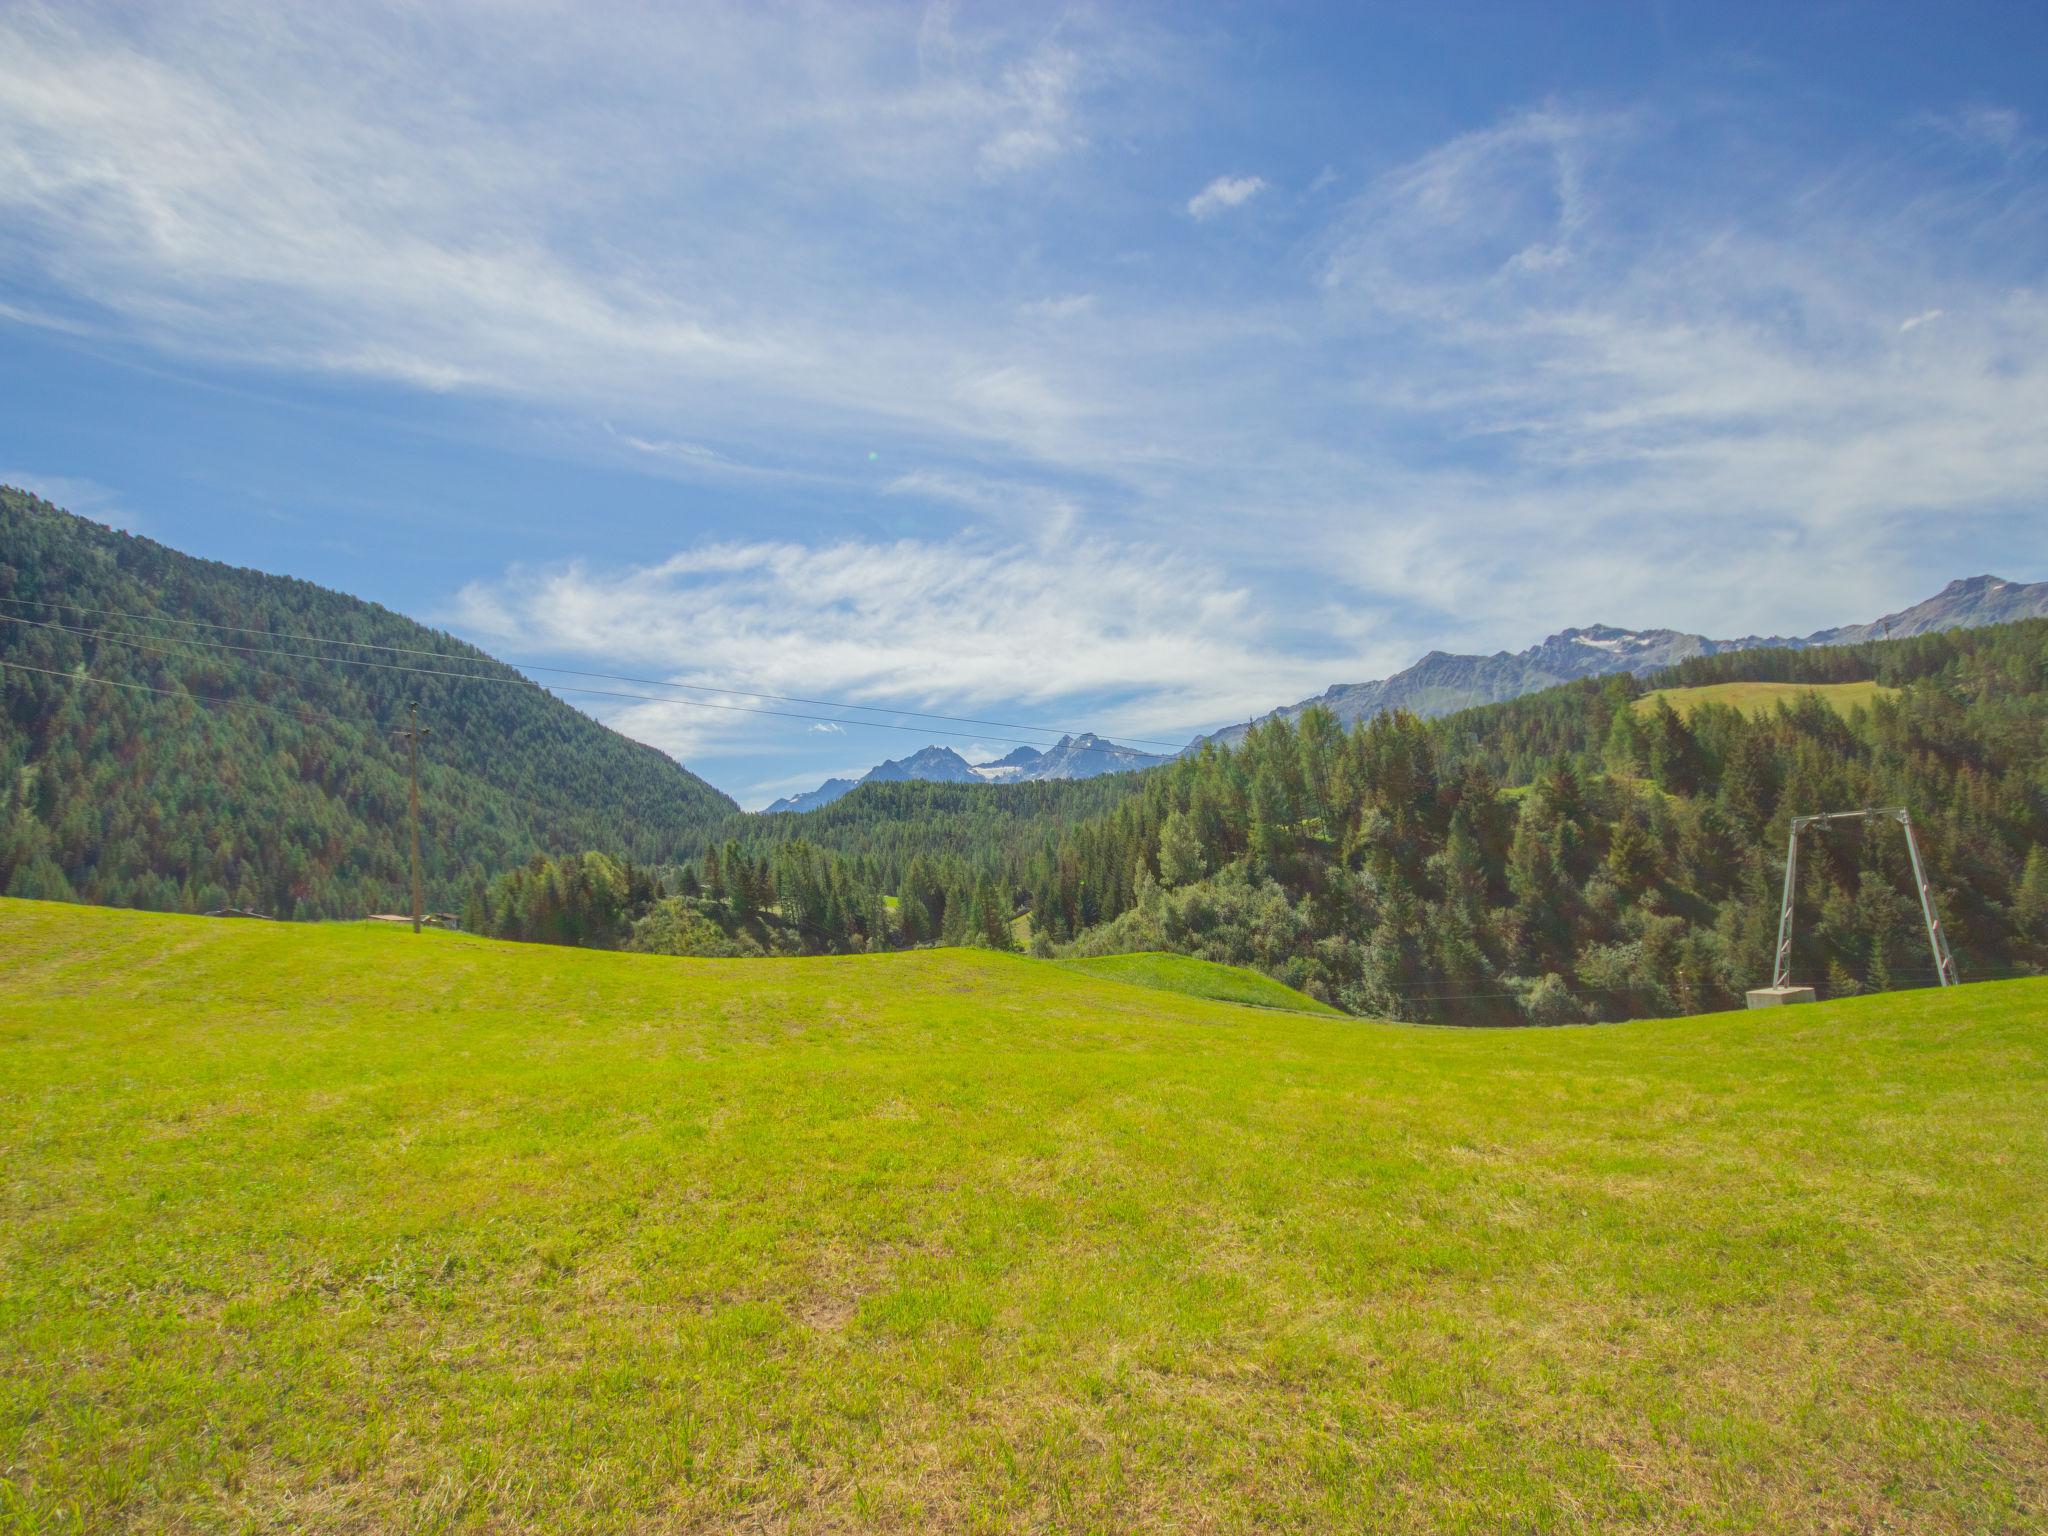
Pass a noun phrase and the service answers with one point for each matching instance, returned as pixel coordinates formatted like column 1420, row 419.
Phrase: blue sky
column 1133, row 368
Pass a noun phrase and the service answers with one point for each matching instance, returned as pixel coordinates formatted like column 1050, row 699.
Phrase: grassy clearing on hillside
column 1198, row 978
column 1755, row 699
column 346, row 1230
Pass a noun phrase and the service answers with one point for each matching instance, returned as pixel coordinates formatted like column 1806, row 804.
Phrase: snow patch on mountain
column 1084, row 756
column 1442, row 684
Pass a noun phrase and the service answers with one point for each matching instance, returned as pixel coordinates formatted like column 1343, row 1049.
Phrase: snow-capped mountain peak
column 1072, row 757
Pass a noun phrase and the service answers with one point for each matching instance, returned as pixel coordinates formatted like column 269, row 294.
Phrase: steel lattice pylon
column 1937, row 941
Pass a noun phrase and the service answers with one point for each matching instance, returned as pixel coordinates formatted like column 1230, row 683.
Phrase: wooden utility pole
column 412, row 747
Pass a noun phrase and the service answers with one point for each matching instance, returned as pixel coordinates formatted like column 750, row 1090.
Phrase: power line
column 186, row 647
column 534, row 666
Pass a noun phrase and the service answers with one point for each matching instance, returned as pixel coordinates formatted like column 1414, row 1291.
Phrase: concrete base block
column 1771, row 997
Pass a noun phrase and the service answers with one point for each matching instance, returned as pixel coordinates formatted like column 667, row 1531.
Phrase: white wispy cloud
column 1066, row 307
column 1223, row 193
column 1984, row 125
column 1644, row 363
column 666, row 447
column 909, row 624
column 310, row 187
column 1490, row 215
column 1691, row 409
column 1040, row 125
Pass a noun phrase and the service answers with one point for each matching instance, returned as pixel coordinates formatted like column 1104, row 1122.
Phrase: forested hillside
column 287, row 795
column 1585, row 852
column 1569, row 855
column 887, row 825
column 180, row 734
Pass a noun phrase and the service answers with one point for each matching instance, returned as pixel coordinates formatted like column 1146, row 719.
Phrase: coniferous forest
column 271, row 779
column 1576, row 855
column 1586, row 852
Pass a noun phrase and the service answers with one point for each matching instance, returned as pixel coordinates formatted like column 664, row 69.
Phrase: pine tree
column 995, row 915
column 1180, row 851
column 1539, row 889
column 1675, row 759
column 2030, row 900
column 1268, row 835
column 1631, row 856
column 1626, row 753
column 1747, row 783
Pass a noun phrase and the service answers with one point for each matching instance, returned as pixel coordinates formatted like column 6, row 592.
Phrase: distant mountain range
column 1085, row 756
column 1442, row 684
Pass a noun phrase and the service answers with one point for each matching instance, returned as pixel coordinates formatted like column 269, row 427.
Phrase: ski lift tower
column 1781, row 989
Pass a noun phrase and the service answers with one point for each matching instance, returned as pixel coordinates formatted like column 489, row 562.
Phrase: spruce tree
column 2030, row 900
column 1180, row 851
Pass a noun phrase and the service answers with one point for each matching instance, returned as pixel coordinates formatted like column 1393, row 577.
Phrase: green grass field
column 343, row 1230
column 1199, row 978
column 1755, row 699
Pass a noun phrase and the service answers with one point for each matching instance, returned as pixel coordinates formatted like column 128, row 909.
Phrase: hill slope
column 1198, row 978
column 892, row 824
column 1641, row 872
column 292, row 798
column 333, row 1228
column 1755, row 699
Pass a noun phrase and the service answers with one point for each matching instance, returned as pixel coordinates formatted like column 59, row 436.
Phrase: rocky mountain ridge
column 1442, row 683
column 1083, row 756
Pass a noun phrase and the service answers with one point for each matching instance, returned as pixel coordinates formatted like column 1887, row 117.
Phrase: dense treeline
column 886, row 826
column 290, row 800
column 790, row 898
column 1585, row 852
column 1517, row 739
column 1575, row 854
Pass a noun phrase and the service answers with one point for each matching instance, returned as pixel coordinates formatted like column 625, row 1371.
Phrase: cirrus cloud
column 1223, row 193
column 1640, row 361
column 1144, row 641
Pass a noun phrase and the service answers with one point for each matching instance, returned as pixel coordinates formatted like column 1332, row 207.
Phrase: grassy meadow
column 1199, row 978
column 341, row 1229
column 1754, row 699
